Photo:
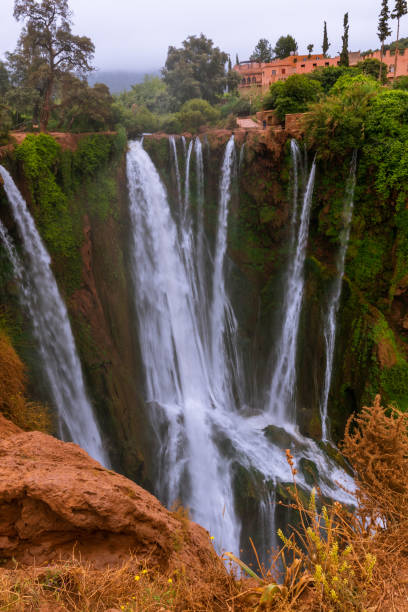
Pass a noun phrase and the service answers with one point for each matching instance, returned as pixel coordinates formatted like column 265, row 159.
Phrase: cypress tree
column 344, row 55
column 236, row 59
column 384, row 30
column 229, row 64
column 399, row 11
column 326, row 44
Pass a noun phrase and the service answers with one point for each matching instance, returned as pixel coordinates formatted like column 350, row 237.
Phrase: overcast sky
column 135, row 34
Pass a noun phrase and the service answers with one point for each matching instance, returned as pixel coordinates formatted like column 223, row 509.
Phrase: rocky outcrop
column 55, row 501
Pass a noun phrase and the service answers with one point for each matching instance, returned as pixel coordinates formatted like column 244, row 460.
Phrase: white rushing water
column 283, row 386
column 173, row 149
column 329, row 326
column 189, row 350
column 41, row 298
column 178, row 378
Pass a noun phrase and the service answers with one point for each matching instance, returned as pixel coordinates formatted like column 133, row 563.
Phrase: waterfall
column 190, row 353
column 329, row 328
column 241, row 156
column 177, row 372
column 40, row 296
column 173, row 148
column 283, row 386
column 221, row 313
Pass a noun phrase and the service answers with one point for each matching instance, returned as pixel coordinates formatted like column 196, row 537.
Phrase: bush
column 195, row 113
column 336, row 125
column 293, row 95
column 170, row 124
column 328, row 75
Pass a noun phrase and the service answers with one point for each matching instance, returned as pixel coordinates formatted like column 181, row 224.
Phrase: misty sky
column 135, row 34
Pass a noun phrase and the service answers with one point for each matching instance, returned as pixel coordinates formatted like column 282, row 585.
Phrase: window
column 283, row 70
column 243, row 81
column 273, row 71
column 327, row 63
column 314, row 65
column 254, row 79
column 302, row 65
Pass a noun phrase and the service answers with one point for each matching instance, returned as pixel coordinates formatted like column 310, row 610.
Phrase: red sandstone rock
column 7, row 428
column 55, row 499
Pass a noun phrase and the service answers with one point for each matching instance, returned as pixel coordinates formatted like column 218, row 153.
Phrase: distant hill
column 119, row 80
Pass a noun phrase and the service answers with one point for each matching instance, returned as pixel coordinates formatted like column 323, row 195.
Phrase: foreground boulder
column 56, row 500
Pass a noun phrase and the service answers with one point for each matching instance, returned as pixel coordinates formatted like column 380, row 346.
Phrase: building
column 264, row 74
column 389, row 60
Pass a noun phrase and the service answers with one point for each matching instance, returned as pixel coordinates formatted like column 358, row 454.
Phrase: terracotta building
column 263, row 74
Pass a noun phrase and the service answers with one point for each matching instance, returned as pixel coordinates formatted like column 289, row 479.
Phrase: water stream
column 329, row 326
column 51, row 327
column 190, row 353
column 282, row 396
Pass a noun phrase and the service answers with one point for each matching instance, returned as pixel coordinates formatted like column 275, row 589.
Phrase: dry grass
column 335, row 561
column 75, row 587
column 343, row 561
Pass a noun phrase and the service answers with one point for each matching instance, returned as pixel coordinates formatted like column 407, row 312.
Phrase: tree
column 326, row 44
column 344, row 55
column 196, row 70
column 262, row 52
column 84, row 108
column 195, row 113
column 293, row 95
column 310, row 49
column 328, row 75
column 384, row 30
column 4, row 79
column 285, row 45
column 47, row 49
column 373, row 67
column 236, row 59
column 399, row 11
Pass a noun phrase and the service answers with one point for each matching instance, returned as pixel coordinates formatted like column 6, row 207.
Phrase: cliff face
column 371, row 351
column 79, row 200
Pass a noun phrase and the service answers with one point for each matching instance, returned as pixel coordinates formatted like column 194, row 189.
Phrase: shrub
column 195, row 113
column 293, row 95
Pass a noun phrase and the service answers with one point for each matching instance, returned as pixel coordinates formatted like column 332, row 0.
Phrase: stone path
column 248, row 123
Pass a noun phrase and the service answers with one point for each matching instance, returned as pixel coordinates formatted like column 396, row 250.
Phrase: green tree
column 196, row 113
column 262, row 52
column 326, row 44
column 344, row 55
column 328, row 75
column 285, row 45
column 152, row 93
column 374, row 68
column 47, row 49
column 196, row 70
column 399, row 11
column 335, row 126
column 310, row 49
column 293, row 95
column 236, row 59
column 84, row 108
column 384, row 31
column 4, row 79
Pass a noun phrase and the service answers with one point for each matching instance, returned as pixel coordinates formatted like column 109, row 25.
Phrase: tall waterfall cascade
column 188, row 338
column 282, row 395
column 329, row 327
column 51, row 327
